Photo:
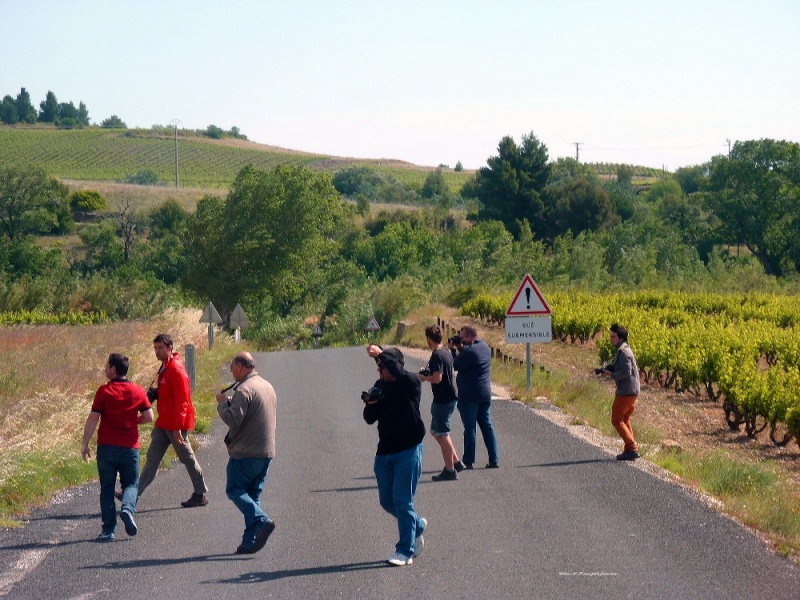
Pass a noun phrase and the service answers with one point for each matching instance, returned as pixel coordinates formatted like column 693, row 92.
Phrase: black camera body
column 455, row 340
column 599, row 371
column 152, row 394
column 373, row 394
column 425, row 371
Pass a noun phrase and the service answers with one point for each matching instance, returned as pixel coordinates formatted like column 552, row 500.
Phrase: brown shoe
column 195, row 500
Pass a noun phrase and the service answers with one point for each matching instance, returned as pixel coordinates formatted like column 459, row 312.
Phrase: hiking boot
column 628, row 455
column 446, row 475
column 399, row 560
column 492, row 465
column 195, row 500
column 262, row 535
column 130, row 524
column 459, row 466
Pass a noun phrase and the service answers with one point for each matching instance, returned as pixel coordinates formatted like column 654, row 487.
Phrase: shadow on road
column 264, row 576
column 568, row 463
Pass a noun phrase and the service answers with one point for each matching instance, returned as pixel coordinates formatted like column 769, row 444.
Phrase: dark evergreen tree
column 48, row 112
column 510, row 188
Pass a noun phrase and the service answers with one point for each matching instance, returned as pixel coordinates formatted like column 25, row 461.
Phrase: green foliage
column 754, row 193
column 270, row 232
column 25, row 110
column 9, row 114
column 48, row 112
column 31, row 203
column 215, row 132
column 434, row 185
column 39, row 317
column 84, row 201
column 143, row 177
column 510, row 188
column 624, row 174
column 113, row 122
column 459, row 167
column 580, row 205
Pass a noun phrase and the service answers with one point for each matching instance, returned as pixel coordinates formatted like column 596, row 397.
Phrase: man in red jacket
column 175, row 420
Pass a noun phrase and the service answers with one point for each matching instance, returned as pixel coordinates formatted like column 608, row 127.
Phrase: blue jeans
column 472, row 413
column 110, row 461
column 246, row 479
column 397, row 476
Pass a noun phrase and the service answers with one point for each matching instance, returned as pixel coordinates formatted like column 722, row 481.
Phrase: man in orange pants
column 626, row 374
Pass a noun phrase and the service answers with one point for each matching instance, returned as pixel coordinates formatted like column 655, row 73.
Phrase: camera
column 425, row 371
column 152, row 394
column 455, row 340
column 373, row 394
column 599, row 371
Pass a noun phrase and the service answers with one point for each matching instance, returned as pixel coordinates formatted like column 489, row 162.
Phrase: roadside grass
column 749, row 491
column 47, row 382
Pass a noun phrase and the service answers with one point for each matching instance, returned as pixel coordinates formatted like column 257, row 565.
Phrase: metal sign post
column 316, row 334
column 237, row 322
column 372, row 327
column 210, row 316
column 528, row 320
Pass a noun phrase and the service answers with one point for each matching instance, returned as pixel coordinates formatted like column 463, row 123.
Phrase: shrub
column 87, row 201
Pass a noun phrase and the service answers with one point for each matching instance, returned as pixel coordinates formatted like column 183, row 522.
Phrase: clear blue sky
column 644, row 82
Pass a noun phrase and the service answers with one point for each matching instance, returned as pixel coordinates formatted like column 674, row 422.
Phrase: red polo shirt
column 119, row 403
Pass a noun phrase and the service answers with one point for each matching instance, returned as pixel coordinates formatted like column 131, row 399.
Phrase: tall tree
column 264, row 239
column 30, row 203
column 48, row 108
column 8, row 111
column 83, row 114
column 756, row 195
column 580, row 205
column 510, row 188
column 25, row 110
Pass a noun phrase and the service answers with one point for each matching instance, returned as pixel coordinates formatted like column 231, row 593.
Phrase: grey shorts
column 440, row 417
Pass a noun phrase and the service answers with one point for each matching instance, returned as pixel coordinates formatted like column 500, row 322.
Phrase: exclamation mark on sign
column 528, row 295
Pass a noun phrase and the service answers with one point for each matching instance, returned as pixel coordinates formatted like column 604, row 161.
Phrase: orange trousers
column 621, row 412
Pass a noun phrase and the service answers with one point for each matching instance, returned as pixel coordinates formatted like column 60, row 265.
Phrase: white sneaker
column 399, row 560
column 419, row 541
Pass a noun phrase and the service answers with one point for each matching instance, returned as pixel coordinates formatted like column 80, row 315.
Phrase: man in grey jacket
column 249, row 409
column 626, row 374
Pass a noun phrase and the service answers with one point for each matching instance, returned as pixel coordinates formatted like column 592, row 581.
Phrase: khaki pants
column 160, row 441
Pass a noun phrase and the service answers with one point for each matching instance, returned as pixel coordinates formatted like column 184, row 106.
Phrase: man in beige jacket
column 249, row 409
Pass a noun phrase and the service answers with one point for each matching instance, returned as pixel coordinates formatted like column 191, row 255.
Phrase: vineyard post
column 175, row 123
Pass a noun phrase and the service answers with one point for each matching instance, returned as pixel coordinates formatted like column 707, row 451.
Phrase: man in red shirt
column 117, row 406
column 175, row 420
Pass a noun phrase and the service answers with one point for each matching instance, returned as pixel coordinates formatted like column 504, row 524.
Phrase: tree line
column 284, row 244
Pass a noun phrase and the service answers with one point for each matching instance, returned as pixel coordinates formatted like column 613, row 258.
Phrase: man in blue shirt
column 474, row 380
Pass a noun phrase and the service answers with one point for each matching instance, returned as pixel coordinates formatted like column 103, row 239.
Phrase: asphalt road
column 560, row 519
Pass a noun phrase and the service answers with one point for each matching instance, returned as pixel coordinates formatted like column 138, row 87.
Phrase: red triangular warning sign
column 528, row 300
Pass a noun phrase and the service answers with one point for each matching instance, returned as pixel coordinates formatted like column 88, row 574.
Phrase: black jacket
column 400, row 425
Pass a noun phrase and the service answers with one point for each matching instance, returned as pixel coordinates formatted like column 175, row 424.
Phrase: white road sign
column 529, row 330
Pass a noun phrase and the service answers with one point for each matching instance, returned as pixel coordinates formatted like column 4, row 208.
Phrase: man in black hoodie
column 394, row 404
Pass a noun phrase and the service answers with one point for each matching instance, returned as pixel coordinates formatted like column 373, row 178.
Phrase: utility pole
column 175, row 123
column 729, row 146
column 577, row 151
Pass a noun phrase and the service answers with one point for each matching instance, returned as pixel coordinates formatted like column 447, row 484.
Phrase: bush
column 113, row 122
column 143, row 177
column 87, row 201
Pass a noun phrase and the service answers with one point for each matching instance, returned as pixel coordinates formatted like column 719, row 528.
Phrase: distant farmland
column 95, row 154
